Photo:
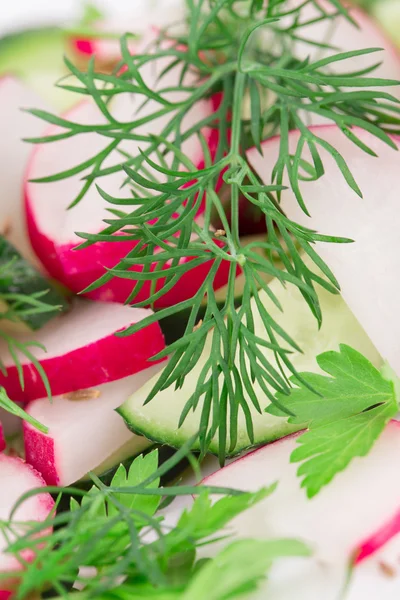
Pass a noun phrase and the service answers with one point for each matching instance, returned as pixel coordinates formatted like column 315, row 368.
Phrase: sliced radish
column 17, row 478
column 147, row 14
column 14, row 153
column 333, row 524
column 52, row 227
column 344, row 36
column 84, row 431
column 368, row 269
column 379, row 575
column 106, row 46
column 83, row 351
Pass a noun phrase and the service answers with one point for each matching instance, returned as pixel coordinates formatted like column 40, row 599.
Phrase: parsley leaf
column 344, row 419
column 141, row 468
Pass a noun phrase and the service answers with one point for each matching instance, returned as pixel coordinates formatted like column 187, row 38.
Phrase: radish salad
column 199, row 258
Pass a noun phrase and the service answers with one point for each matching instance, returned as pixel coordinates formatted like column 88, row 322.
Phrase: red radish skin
column 83, row 434
column 379, row 575
column 39, row 451
column 73, row 363
column 84, row 46
column 17, row 478
column 378, row 539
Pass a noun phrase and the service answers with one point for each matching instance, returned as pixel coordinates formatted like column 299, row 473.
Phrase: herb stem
column 239, row 89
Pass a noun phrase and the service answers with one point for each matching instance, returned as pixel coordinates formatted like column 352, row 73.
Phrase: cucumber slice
column 36, row 57
column 158, row 420
column 18, row 277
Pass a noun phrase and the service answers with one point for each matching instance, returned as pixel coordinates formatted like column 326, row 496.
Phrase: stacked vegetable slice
column 90, row 369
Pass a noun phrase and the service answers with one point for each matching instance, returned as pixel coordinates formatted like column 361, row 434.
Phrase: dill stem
column 238, row 94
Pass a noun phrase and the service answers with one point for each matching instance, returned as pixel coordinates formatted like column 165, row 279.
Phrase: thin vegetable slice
column 85, row 433
column 368, row 269
column 18, row 478
column 80, row 350
column 333, row 524
column 377, row 576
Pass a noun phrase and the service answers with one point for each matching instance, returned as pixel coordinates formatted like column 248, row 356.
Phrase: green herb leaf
column 205, row 518
column 344, row 418
column 141, row 468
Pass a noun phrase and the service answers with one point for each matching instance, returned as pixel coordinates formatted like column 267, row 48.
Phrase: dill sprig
column 247, row 52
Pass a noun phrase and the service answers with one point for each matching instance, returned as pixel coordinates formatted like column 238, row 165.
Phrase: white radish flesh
column 368, row 269
column 17, row 478
column 83, row 351
column 84, row 431
column 345, row 37
column 334, row 523
column 14, row 152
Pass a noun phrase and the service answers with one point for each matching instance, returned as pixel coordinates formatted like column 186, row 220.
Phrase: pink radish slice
column 14, row 153
column 379, row 575
column 368, row 269
column 83, row 351
column 334, row 523
column 374, row 542
column 52, row 227
column 344, row 36
column 147, row 14
column 83, row 434
column 107, row 51
column 17, row 478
